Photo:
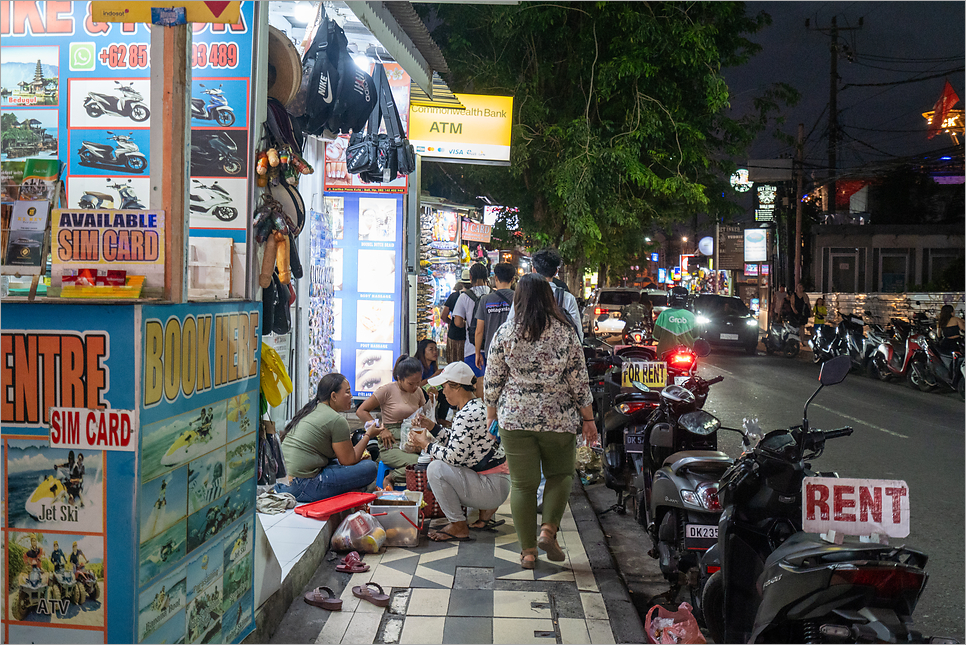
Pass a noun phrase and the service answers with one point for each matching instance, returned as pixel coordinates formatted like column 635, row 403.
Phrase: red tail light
column 638, row 338
column 708, row 494
column 888, row 581
column 601, row 310
column 631, row 407
column 681, row 359
column 713, row 569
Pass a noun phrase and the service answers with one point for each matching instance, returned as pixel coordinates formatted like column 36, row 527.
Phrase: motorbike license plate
column 681, row 380
column 729, row 336
column 634, row 443
column 650, row 373
column 700, row 536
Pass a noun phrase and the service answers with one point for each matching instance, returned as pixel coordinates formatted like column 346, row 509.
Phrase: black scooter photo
column 216, row 154
column 130, row 103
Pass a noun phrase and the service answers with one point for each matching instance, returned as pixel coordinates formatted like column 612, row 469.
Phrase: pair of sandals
column 325, row 598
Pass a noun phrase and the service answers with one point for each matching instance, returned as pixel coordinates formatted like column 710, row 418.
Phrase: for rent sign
column 855, row 506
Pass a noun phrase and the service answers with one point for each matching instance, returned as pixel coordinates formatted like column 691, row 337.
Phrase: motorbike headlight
column 751, row 322
column 702, row 320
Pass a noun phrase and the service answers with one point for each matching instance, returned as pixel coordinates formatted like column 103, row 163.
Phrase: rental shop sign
column 855, row 506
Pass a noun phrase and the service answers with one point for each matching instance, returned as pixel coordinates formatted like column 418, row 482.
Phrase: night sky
column 898, row 41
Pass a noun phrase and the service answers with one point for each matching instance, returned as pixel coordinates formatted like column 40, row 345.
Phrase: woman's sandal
column 528, row 559
column 325, row 600
column 548, row 542
column 352, row 563
column 379, row 599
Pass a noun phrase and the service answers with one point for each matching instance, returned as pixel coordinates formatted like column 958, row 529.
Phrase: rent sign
column 855, row 506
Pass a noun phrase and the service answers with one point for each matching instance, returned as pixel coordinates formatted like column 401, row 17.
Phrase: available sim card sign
column 82, row 90
column 365, row 263
column 68, row 454
column 196, row 488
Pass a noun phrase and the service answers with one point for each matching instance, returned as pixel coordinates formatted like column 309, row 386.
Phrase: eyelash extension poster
column 365, row 264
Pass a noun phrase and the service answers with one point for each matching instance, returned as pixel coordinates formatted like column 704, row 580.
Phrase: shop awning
column 441, row 97
column 402, row 32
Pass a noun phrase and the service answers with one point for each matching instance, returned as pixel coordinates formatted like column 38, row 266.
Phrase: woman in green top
column 318, row 450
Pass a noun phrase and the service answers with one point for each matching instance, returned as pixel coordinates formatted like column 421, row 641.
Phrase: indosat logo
column 114, row 14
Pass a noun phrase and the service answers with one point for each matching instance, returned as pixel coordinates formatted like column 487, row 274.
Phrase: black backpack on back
column 471, row 324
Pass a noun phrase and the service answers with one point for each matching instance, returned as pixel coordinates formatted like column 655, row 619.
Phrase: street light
column 684, row 239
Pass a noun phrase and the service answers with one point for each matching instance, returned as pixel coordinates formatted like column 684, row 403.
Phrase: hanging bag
column 362, row 156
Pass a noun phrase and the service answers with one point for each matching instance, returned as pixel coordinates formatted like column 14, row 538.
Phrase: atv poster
column 364, row 261
column 79, row 91
column 58, row 539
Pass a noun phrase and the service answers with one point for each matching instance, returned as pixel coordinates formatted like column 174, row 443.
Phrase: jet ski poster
column 241, row 460
column 161, row 602
column 164, row 502
column 206, row 479
column 53, row 489
column 177, row 440
column 160, row 552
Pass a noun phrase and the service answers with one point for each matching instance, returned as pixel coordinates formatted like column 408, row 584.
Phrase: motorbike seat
column 100, row 147
column 103, row 196
column 633, row 394
column 199, row 103
column 805, row 549
column 690, row 458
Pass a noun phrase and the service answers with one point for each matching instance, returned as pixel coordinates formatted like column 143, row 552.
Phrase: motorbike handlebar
column 716, row 379
column 839, row 432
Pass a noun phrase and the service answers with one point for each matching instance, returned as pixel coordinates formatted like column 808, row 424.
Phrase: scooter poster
column 198, row 410
column 79, row 91
column 65, row 556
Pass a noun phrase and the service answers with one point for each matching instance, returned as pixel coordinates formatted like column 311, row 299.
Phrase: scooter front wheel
column 140, row 113
column 226, row 213
column 135, row 164
column 712, row 606
column 232, row 167
column 915, row 376
column 817, row 355
column 792, row 349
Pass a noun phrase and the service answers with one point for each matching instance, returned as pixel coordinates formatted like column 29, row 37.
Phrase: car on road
column 725, row 321
column 602, row 314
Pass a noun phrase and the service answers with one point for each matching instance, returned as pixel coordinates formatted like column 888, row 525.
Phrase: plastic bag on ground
column 359, row 532
column 672, row 626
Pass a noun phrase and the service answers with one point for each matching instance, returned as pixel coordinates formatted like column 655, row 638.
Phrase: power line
column 908, row 80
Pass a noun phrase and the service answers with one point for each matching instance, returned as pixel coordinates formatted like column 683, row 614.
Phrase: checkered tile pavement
column 474, row 592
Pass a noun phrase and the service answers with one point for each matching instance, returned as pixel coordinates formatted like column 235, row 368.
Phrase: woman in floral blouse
column 536, row 385
column 469, row 466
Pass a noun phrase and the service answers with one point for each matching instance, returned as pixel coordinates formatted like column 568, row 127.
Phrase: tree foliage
column 619, row 119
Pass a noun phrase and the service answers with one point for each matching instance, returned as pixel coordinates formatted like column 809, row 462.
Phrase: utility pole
column 799, row 157
column 833, row 111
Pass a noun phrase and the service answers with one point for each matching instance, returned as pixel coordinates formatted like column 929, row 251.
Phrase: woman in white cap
column 469, row 466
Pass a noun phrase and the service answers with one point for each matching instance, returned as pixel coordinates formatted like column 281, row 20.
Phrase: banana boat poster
column 128, row 453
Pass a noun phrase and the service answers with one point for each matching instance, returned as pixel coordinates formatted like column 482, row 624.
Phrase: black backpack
column 471, row 324
column 558, row 295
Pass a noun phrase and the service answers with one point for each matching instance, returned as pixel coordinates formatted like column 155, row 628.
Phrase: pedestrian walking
column 455, row 336
column 545, row 263
column 466, row 307
column 536, row 386
column 493, row 310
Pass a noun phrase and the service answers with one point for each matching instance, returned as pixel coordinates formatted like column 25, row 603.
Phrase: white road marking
column 856, row 420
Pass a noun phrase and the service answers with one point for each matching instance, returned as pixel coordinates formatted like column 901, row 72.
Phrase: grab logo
column 681, row 320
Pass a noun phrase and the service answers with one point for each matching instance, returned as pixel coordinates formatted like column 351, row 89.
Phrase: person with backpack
column 464, row 314
column 545, row 263
column 493, row 310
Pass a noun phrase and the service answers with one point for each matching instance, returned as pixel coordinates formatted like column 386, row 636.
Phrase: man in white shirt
column 465, row 311
column 546, row 262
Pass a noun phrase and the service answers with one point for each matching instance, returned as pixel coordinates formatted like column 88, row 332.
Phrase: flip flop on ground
column 487, row 525
column 379, row 599
column 352, row 563
column 435, row 537
column 326, row 600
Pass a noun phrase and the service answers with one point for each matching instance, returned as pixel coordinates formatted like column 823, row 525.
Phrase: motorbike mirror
column 702, row 347
column 201, row 84
column 640, row 386
column 834, row 370
column 699, row 422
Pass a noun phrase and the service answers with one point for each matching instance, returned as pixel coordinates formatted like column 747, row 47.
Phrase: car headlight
column 702, row 320
column 751, row 322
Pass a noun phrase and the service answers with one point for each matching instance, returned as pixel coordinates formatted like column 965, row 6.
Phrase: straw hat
column 284, row 67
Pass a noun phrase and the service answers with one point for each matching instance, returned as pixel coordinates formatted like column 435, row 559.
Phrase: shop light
column 304, row 12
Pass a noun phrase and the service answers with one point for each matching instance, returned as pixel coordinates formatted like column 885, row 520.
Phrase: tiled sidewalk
column 466, row 592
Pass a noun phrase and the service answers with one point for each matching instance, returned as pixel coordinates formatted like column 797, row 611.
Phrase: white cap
column 458, row 372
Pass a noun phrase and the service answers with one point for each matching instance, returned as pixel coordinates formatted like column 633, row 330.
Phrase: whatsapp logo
column 82, row 58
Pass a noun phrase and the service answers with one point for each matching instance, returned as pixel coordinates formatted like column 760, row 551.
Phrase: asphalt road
column 899, row 433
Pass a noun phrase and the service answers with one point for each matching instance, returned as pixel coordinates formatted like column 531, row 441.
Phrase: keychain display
column 322, row 359
column 439, row 262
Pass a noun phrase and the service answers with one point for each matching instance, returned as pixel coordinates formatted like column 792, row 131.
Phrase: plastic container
column 400, row 517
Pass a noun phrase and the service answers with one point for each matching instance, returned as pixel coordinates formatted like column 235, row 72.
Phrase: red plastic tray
column 322, row 509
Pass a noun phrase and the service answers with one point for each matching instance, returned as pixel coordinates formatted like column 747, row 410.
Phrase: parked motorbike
column 777, row 584
column 932, row 364
column 876, row 336
column 217, row 109
column 220, row 150
column 677, row 501
column 125, row 154
column 783, row 338
column 852, row 342
column 130, row 103
column 129, row 199
column 892, row 357
column 212, row 200
column 822, row 343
